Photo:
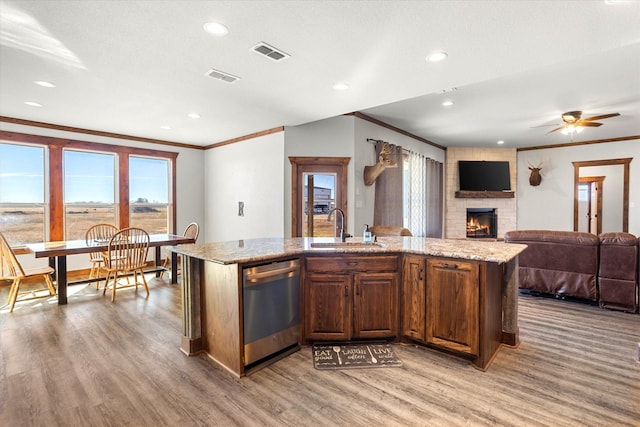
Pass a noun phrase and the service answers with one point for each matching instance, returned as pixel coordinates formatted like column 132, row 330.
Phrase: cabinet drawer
column 453, row 265
column 352, row 263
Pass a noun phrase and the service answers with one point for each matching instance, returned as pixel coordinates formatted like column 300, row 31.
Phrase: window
column 89, row 191
column 22, row 193
column 53, row 189
column 149, row 194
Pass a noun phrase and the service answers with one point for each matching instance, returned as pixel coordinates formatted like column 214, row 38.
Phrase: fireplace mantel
column 485, row 194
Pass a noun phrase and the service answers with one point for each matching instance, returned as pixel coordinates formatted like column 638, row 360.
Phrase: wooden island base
column 461, row 306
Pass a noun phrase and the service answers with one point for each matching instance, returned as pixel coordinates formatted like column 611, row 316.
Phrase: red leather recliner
column 618, row 272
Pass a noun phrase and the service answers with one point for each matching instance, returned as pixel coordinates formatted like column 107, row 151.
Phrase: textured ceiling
column 132, row 67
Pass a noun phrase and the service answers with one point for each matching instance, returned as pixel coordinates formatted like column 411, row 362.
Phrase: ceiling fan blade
column 561, row 127
column 588, row 124
column 604, row 116
column 544, row 126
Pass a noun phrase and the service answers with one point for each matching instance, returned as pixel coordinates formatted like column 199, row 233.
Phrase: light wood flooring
column 97, row 363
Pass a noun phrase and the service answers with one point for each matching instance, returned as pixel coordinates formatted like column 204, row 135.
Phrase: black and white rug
column 354, row 355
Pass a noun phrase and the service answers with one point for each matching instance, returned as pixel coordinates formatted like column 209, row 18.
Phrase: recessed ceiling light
column 33, row 104
column 341, row 86
column 194, row 115
column 447, row 103
column 437, row 56
column 216, row 29
column 500, row 142
column 165, row 127
column 44, row 84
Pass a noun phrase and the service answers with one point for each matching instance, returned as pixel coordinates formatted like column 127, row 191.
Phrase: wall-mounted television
column 477, row 175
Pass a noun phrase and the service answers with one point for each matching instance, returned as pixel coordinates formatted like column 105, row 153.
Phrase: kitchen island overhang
column 212, row 285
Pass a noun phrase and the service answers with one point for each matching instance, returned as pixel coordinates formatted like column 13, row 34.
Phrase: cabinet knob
column 346, row 291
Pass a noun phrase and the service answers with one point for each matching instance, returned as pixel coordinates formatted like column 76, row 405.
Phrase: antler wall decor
column 371, row 173
column 535, row 178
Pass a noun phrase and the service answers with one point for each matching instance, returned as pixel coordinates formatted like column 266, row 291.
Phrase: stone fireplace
column 456, row 208
column 482, row 223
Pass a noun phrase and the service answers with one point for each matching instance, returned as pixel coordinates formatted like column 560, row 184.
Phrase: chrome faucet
column 343, row 235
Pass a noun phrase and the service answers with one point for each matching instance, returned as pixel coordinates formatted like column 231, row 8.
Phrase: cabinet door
column 452, row 305
column 328, row 306
column 375, row 305
column 414, row 298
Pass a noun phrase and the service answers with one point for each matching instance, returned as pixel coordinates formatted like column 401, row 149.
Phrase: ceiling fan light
column 572, row 129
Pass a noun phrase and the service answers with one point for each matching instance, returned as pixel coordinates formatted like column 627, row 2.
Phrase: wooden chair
column 192, row 230
column 126, row 255
column 10, row 269
column 98, row 234
column 388, row 230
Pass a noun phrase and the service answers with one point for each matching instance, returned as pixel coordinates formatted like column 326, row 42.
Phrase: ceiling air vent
column 225, row 77
column 269, row 51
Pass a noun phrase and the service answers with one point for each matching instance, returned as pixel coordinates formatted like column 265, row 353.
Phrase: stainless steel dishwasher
column 271, row 309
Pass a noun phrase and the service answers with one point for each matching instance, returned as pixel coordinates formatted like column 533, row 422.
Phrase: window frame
column 54, row 179
column 87, row 205
column 44, row 204
column 168, row 205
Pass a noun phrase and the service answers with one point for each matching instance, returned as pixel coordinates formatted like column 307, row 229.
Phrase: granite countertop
column 251, row 250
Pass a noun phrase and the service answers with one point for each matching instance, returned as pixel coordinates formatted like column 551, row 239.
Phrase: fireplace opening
column 482, row 223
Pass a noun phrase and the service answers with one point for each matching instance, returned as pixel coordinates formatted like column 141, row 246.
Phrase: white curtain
column 415, row 200
column 423, row 196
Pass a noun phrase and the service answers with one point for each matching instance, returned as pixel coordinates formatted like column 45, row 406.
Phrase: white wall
column 346, row 136
column 365, row 156
column 189, row 182
column 249, row 171
column 325, row 138
column 550, row 205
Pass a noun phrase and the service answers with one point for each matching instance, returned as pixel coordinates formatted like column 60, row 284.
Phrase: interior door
column 590, row 204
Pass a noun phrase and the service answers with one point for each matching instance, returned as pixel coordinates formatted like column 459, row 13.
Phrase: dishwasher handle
column 270, row 272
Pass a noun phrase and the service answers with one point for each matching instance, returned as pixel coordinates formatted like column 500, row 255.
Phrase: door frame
column 302, row 165
column 625, row 192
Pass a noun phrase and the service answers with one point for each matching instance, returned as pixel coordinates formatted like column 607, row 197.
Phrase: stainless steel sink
column 346, row 245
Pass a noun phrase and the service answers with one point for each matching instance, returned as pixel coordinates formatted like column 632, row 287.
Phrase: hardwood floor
column 97, row 363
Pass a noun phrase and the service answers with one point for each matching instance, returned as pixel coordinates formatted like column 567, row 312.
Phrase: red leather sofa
column 561, row 263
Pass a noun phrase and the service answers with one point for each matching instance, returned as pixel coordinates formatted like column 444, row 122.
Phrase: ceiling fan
column 573, row 123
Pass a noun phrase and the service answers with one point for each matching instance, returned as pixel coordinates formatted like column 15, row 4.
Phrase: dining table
column 57, row 252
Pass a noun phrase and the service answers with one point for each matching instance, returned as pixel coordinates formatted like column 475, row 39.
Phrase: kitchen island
column 457, row 296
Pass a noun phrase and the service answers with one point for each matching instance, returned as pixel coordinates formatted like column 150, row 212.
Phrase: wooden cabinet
column 414, row 294
column 351, row 297
column 453, row 305
column 375, row 305
column 328, row 303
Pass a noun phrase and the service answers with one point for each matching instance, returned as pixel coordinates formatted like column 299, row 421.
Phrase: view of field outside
column 321, row 227
column 323, row 202
column 26, row 225
column 89, row 192
column 20, row 226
